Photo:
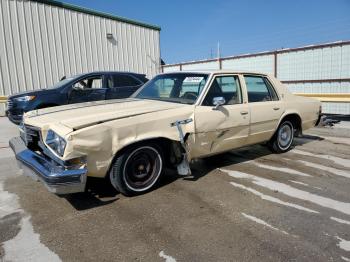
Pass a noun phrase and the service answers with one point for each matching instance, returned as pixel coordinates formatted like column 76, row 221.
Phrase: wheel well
column 171, row 149
column 45, row 105
column 296, row 121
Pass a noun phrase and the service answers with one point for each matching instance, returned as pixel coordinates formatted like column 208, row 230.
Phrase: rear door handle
column 276, row 108
column 244, row 112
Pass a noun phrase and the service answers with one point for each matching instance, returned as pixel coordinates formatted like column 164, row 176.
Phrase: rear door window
column 259, row 89
column 123, row 81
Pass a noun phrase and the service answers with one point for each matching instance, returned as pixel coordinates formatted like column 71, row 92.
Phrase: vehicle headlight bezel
column 55, row 142
column 24, row 98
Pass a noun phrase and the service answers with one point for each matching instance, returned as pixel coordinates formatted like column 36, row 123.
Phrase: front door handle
column 276, row 108
column 244, row 112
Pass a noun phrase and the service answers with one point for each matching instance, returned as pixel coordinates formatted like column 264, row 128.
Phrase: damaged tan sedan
column 171, row 120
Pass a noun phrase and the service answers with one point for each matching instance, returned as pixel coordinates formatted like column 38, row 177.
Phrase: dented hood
column 86, row 114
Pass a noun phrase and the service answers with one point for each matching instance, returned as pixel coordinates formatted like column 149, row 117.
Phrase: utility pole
column 219, row 57
column 218, row 54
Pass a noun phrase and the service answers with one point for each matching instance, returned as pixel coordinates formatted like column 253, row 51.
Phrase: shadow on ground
column 204, row 166
column 100, row 192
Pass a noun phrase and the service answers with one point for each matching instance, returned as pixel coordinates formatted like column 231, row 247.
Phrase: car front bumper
column 58, row 178
column 14, row 118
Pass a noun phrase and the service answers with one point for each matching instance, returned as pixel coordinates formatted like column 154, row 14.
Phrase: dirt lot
column 247, row 205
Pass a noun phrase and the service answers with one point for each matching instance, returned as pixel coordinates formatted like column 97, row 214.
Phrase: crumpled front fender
column 100, row 143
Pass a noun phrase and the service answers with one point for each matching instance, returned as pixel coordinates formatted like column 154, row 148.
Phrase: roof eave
column 96, row 13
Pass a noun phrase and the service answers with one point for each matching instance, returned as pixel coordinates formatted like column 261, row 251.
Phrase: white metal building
column 320, row 71
column 44, row 40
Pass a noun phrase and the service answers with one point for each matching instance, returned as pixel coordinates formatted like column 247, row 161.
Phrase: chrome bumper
column 58, row 178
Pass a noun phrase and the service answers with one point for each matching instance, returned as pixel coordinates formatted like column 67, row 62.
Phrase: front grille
column 31, row 137
column 9, row 104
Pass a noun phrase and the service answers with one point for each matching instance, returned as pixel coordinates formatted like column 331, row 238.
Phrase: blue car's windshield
column 182, row 88
column 64, row 82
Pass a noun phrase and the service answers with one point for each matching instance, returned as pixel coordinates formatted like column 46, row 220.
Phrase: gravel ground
column 245, row 205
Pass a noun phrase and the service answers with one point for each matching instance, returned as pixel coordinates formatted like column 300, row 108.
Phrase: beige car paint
column 264, row 117
column 101, row 129
column 228, row 128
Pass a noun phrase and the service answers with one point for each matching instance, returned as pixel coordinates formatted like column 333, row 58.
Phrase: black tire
column 137, row 169
column 283, row 138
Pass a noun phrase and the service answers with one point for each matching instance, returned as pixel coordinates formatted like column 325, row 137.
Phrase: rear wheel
column 137, row 169
column 283, row 138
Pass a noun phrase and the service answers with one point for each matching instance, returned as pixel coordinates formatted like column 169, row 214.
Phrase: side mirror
column 218, row 101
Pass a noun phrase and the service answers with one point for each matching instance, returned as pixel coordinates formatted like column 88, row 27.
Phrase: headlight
column 24, row 98
column 55, row 142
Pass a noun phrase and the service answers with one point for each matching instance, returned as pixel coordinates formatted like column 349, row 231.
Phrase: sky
column 191, row 30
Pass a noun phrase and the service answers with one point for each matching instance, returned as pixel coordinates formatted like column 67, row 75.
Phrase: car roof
column 105, row 73
column 217, row 72
column 111, row 72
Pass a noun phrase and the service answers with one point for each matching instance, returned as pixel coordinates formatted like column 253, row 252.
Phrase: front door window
column 88, row 83
column 227, row 87
column 87, row 89
column 226, row 127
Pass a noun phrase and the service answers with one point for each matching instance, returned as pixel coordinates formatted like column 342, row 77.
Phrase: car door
column 265, row 108
column 225, row 127
column 91, row 88
column 122, row 86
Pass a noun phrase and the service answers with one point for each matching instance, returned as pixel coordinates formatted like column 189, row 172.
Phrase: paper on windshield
column 193, row 79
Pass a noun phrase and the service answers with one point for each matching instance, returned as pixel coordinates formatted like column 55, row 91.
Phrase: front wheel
column 283, row 138
column 137, row 169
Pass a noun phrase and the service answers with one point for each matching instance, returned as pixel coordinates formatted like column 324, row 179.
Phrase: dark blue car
column 76, row 89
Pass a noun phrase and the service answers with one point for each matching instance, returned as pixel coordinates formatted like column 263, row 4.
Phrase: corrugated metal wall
column 201, row 66
column 320, row 88
column 255, row 63
column 319, row 63
column 171, row 68
column 40, row 43
column 335, row 108
column 313, row 69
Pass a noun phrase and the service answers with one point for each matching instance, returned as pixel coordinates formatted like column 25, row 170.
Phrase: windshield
column 63, row 82
column 182, row 88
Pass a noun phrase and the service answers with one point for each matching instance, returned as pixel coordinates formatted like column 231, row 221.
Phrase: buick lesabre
column 172, row 120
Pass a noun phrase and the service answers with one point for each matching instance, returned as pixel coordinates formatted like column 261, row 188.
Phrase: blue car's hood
column 36, row 92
